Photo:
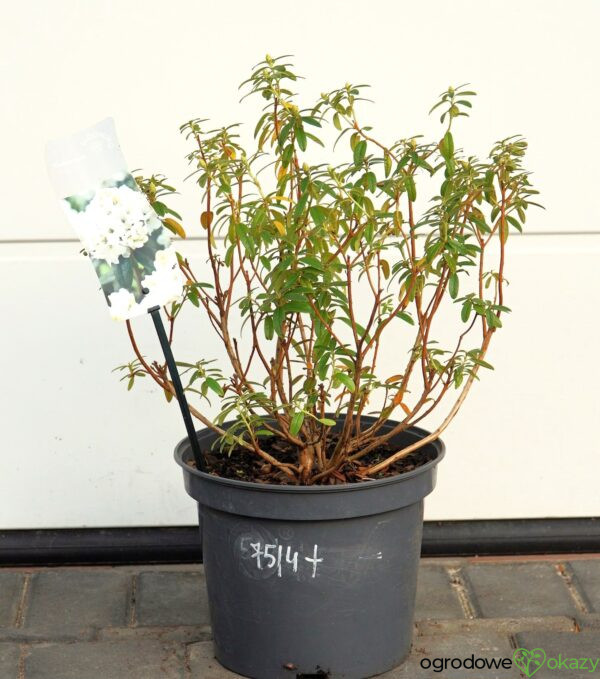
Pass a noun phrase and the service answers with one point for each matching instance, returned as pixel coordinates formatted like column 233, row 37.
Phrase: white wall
column 76, row 449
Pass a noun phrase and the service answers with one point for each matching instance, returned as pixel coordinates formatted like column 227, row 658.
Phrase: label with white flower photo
column 128, row 245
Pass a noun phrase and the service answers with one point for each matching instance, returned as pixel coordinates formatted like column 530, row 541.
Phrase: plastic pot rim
column 183, row 453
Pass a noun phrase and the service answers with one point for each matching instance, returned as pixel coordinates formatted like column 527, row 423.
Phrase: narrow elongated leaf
column 483, row 364
column 465, row 312
column 359, row 151
column 492, row 319
column 318, row 214
column 411, row 189
column 393, row 379
column 301, row 138
column 296, row 423
column 447, row 146
column 385, row 268
column 453, row 286
column 371, row 181
column 268, row 327
column 174, row 226
column 345, row 379
column 387, row 164
column 405, row 317
column 311, row 121
column 212, row 384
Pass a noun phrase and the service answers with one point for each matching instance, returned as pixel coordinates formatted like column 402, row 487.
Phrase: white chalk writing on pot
column 275, row 556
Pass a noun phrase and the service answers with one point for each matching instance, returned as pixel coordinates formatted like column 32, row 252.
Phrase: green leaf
column 278, row 317
column 405, row 317
column 483, row 364
column 465, row 312
column 515, row 223
column 318, row 214
column 359, row 151
column 296, row 423
column 212, row 384
column 447, row 146
column 287, row 154
column 345, row 379
column 193, row 297
column 159, row 208
column 323, row 366
column 327, row 422
column 411, row 189
column 311, row 121
column 492, row 319
column 387, row 164
column 283, row 133
column 371, row 181
column 312, row 262
column 301, row 204
column 297, row 307
column 268, row 327
column 300, row 137
column 453, row 285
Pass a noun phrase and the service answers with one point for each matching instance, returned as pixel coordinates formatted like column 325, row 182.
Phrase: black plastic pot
column 310, row 581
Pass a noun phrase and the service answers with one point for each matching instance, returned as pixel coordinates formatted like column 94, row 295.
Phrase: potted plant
column 312, row 501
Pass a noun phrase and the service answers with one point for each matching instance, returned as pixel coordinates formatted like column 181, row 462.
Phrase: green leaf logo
column 529, row 661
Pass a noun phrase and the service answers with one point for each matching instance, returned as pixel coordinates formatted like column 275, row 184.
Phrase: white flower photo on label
column 128, row 245
column 121, row 304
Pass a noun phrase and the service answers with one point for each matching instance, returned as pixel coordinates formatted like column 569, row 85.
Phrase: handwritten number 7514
column 273, row 556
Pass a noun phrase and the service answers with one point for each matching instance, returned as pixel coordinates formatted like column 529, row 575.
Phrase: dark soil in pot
column 310, row 581
column 241, row 465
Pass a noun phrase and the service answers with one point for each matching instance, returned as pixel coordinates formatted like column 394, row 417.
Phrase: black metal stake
column 183, row 404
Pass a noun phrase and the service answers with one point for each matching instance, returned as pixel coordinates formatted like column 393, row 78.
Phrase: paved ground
column 152, row 622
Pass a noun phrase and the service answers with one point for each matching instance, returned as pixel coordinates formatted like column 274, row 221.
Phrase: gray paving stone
column 565, row 647
column 435, row 596
column 10, row 591
column 106, row 660
column 554, row 623
column 588, row 621
column 9, row 661
column 186, row 634
column 204, row 666
column 68, row 601
column 587, row 574
column 528, row 600
column 24, row 636
column 171, row 598
column 505, row 590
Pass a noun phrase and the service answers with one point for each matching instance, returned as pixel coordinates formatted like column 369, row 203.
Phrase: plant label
column 123, row 236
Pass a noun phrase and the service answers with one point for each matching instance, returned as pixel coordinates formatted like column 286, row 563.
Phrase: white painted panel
column 78, row 450
column 525, row 443
column 152, row 64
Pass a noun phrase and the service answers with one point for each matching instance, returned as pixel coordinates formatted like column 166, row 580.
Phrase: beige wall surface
column 77, row 449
